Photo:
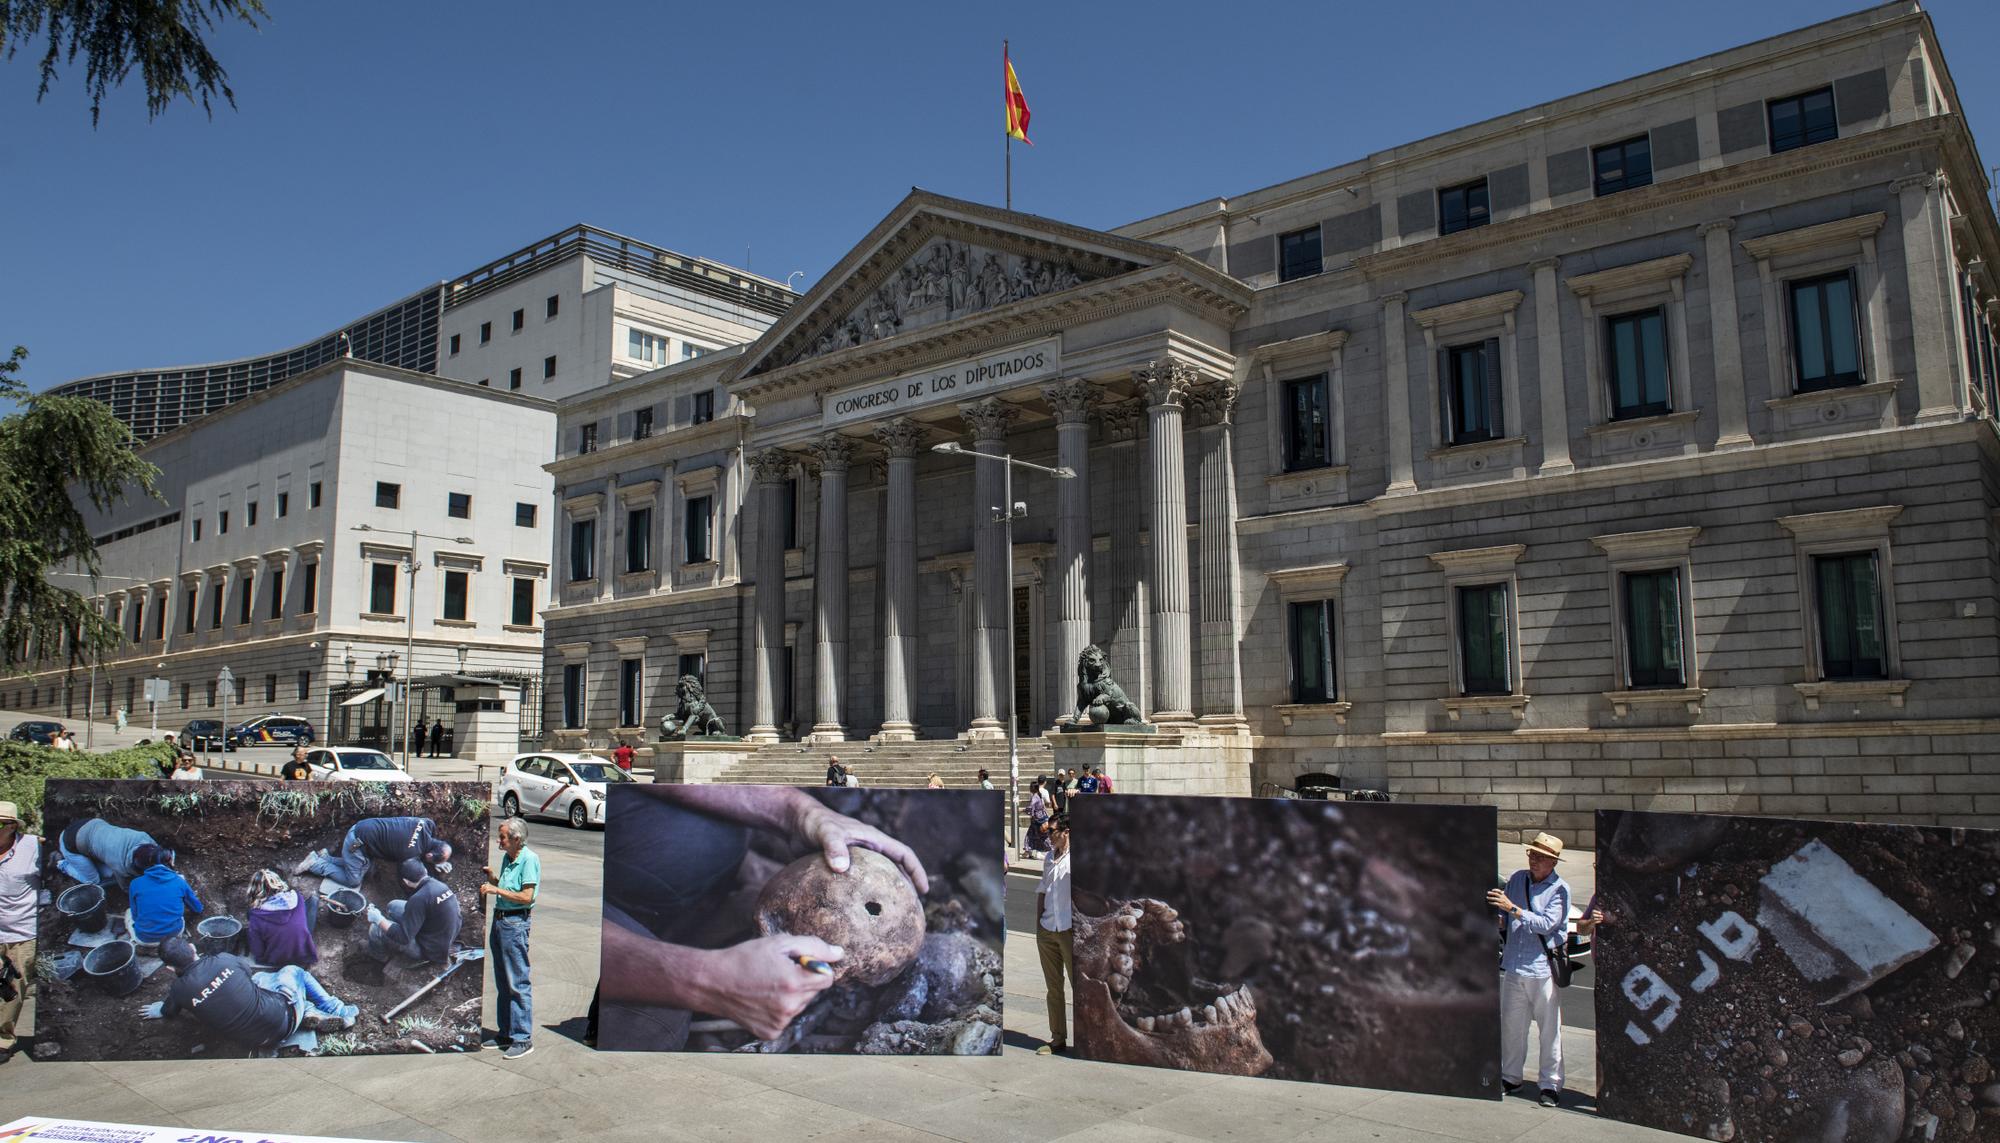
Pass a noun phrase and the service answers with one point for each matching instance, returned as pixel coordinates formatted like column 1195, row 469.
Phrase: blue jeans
column 347, row 869
column 79, row 867
column 302, row 989
column 513, row 993
column 383, row 945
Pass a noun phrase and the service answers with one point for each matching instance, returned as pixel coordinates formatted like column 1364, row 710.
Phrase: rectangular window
column 694, row 663
column 284, row 504
column 454, row 344
column 639, row 540
column 554, row 305
column 1802, row 120
column 215, row 600
column 246, row 600
column 309, row 589
column 222, row 522
column 1472, row 393
column 1623, row 166
column 1483, row 656
column 1653, row 629
column 646, row 347
column 388, row 495
column 197, row 532
column 485, row 332
column 458, row 505
column 514, row 378
column 1635, row 347
column 277, row 593
column 704, row 407
column 690, row 351
column 1312, row 651
column 629, row 675
column 586, row 439
column 184, row 695
column 583, row 549
column 548, row 367
column 572, row 709
column 312, row 494
column 250, row 514
column 382, row 589
column 455, row 591
column 1462, row 207
column 524, row 601
column 1847, row 589
column 1298, row 254
column 211, row 694
column 160, row 619
column 1826, row 341
column 698, row 530
column 1307, row 442
column 642, row 423
column 187, row 616
column 304, row 685
column 524, row 514
column 520, row 319
column 270, row 688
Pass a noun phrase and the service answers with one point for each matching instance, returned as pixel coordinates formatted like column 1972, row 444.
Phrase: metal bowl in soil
column 83, row 907
column 343, row 905
column 114, row 967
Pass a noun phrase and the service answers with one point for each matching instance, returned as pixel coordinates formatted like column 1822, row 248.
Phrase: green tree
column 162, row 38
column 50, row 448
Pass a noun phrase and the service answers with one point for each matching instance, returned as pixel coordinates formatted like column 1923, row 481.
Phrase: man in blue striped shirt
column 1536, row 905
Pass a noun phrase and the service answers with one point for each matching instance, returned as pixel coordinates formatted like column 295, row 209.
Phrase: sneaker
column 1509, row 1088
column 516, row 1051
column 1551, row 1097
column 490, row 1044
column 306, row 863
column 347, row 1014
column 1052, row 1050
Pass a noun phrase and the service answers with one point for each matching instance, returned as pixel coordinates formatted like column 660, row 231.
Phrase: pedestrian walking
column 623, row 756
column 121, row 720
column 513, row 889
column 836, row 774
column 1103, row 779
column 20, row 895
column 1053, row 939
column 1536, row 906
column 296, row 768
column 853, row 779
column 1039, row 813
column 437, row 738
column 417, row 741
column 985, row 783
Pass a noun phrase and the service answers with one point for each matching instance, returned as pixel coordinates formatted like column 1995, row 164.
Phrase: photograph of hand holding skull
column 781, row 919
column 1304, row 940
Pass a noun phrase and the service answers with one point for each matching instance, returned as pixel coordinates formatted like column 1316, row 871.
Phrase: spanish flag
column 1017, row 103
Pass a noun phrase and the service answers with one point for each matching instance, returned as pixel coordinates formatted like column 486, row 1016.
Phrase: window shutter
column 1489, row 353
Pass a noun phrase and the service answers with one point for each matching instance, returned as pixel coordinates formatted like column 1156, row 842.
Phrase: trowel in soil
column 459, row 958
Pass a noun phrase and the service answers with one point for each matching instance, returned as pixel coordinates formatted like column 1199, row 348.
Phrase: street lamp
column 410, row 630
column 1004, row 514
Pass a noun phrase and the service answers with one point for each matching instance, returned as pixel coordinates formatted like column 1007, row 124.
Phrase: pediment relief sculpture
column 947, row 279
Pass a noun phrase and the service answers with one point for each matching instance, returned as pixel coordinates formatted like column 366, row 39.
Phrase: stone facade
column 1467, row 521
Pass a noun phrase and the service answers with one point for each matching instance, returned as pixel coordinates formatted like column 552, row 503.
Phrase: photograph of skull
column 785, row 919
column 1332, row 942
column 1784, row 980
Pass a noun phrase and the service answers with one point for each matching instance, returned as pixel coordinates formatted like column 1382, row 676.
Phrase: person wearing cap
column 422, row 926
column 394, row 840
column 1535, row 904
column 20, row 894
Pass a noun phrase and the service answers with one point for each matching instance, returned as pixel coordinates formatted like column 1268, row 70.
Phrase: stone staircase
column 896, row 765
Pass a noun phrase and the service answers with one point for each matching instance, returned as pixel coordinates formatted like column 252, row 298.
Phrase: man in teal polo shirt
column 513, row 892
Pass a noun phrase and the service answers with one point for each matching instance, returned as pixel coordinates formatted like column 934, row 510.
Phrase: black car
column 272, row 729
column 204, row 734
column 38, row 733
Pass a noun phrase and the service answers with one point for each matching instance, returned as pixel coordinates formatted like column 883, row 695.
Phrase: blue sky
column 377, row 148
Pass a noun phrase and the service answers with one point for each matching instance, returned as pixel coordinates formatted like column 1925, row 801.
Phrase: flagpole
column 1008, row 95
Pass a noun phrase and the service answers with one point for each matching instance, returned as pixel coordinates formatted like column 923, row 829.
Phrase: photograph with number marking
column 1798, row 981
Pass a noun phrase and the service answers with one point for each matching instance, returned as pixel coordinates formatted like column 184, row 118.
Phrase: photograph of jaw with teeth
column 1294, row 940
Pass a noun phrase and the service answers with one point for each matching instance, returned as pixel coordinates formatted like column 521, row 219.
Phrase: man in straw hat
column 1536, row 906
column 20, row 895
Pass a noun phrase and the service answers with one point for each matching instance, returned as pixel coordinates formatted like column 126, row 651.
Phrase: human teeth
column 1145, row 1023
column 1127, row 921
column 1226, row 1004
column 1120, row 982
column 1185, row 1018
column 1125, row 964
column 1208, row 1014
column 1244, row 998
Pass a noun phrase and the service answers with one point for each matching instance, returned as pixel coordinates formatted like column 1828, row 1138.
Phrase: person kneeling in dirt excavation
column 94, row 851
column 282, row 920
column 160, row 899
column 422, row 926
column 684, row 855
column 226, row 995
column 394, row 840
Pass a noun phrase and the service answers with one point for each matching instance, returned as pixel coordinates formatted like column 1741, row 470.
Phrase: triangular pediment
column 937, row 260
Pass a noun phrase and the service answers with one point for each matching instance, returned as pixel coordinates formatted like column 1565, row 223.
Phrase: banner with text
column 90, row 1131
column 959, row 381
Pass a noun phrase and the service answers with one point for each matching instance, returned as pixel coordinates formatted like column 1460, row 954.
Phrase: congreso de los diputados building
column 1634, row 450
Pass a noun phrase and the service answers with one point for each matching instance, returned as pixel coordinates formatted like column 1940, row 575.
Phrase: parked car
column 353, row 764
column 205, row 734
column 567, row 786
column 38, row 733
column 273, row 730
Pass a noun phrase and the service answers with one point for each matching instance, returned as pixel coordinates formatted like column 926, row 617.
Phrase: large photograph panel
column 1798, row 981
column 255, row 918
column 783, row 919
column 1306, row 940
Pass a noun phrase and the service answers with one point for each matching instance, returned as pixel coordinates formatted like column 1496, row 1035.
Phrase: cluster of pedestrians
column 1050, row 796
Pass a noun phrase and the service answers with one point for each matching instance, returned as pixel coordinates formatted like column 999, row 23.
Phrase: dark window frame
column 702, row 408
column 464, row 600
column 485, row 332
column 1466, row 206
column 1299, row 254
column 1484, row 682
column 1666, row 666
column 573, row 695
column 309, row 588
column 525, row 514
column 1491, row 424
column 1809, row 132
column 388, row 495
column 548, row 366
column 379, row 584
column 554, row 306
column 1628, row 178
column 514, row 378
column 454, row 344
column 458, row 505
column 520, row 320
column 523, row 616
column 698, row 530
column 1613, row 374
column 1317, row 616
column 1854, row 664
column 1301, row 452
column 1829, row 380
column 639, row 539
column 583, row 549
column 642, row 422
column 277, row 610
column 631, row 691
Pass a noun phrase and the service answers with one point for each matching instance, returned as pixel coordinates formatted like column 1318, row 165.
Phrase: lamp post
column 411, row 566
column 1004, row 514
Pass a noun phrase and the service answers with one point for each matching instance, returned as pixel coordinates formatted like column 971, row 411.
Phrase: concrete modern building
column 1633, row 450
column 281, row 548
column 571, row 312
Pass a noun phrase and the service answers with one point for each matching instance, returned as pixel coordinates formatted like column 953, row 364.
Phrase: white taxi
column 353, row 764
column 567, row 786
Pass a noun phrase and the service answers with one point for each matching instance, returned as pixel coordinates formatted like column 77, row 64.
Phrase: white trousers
column 1525, row 1000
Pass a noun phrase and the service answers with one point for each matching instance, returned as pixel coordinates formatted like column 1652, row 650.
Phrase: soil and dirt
column 223, row 832
column 1362, row 929
column 1753, row 1057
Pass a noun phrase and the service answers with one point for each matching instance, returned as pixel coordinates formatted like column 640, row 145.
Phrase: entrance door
column 1024, row 659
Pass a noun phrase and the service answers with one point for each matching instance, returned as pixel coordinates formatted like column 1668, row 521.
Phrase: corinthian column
column 902, row 437
column 1071, row 400
column 1220, row 684
column 835, row 453
column 1166, row 385
column 992, row 579
column 771, row 470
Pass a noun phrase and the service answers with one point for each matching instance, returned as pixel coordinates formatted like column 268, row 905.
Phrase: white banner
column 960, row 381
column 85, row 1131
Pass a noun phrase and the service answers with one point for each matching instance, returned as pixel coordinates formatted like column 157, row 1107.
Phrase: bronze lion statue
column 692, row 714
column 1099, row 698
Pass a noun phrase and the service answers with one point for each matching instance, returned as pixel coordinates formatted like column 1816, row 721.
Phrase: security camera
column 1020, row 507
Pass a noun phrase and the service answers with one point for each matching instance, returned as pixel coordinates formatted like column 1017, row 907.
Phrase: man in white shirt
column 20, row 895
column 1053, row 939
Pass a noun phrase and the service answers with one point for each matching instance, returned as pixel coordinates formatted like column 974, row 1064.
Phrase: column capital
column 1214, row 403
column 834, row 452
column 903, row 437
column 1911, row 182
column 1123, row 420
column 1722, row 224
column 1166, row 382
column 1540, row 264
column 1395, row 299
column 772, row 466
column 1071, row 398
column 990, row 419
